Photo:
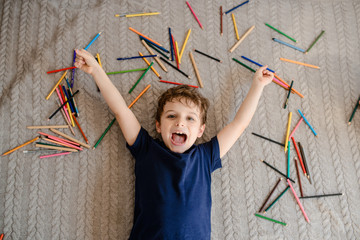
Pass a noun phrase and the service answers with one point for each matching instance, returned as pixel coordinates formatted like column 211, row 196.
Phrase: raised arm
column 129, row 125
column 231, row 132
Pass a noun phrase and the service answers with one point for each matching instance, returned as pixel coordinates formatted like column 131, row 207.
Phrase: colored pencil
column 154, row 44
column 67, row 107
column 292, row 39
column 184, row 44
column 66, row 119
column 177, row 54
column 92, row 41
column 235, row 27
column 72, row 143
column 62, row 105
column 281, row 144
column 55, row 147
column 297, row 125
column 244, row 65
column 60, row 70
column 138, row 33
column 236, row 7
column 47, row 126
column 221, row 21
column 307, row 122
column 175, row 67
column 270, row 219
column 70, row 138
column 207, row 55
column 73, row 99
column 134, row 57
column 305, row 162
column 298, row 176
column 353, row 113
column 171, row 45
column 324, row 195
column 20, row 146
column 269, row 195
column 276, row 170
column 1, row 236
column 313, row 43
column 155, row 58
column 112, row 122
column 192, row 11
column 299, row 155
column 155, row 48
column 40, row 150
column 300, row 63
column 242, row 38
column 72, row 107
column 73, row 70
column 277, row 199
column 293, row 90
column 62, row 143
column 82, row 133
column 258, row 64
column 288, row 45
column 126, row 71
column 287, row 98
column 56, row 85
column 55, row 155
column 288, row 160
column 137, row 14
column 163, row 81
column 288, row 131
column 196, row 70
column 152, row 67
column 141, row 77
column 298, row 201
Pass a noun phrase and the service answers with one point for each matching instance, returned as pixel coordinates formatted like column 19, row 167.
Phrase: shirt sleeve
column 140, row 145
column 215, row 154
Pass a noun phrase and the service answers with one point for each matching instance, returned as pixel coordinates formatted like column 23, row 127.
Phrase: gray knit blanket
column 90, row 194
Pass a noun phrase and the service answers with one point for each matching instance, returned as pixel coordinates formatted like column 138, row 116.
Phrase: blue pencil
column 68, row 97
column 86, row 48
column 236, row 7
column 171, row 45
column 73, row 71
column 288, row 161
column 312, row 129
column 256, row 63
column 145, row 56
column 289, row 45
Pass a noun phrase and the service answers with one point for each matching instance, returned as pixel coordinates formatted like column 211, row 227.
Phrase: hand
column 85, row 61
column 263, row 76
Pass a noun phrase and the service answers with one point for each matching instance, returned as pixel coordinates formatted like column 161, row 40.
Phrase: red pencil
column 163, row 81
column 1, row 236
column 175, row 52
column 221, row 21
column 82, row 133
column 59, row 70
column 194, row 14
column 299, row 156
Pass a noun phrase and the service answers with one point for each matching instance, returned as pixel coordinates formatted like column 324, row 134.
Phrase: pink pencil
column 297, row 125
column 55, row 154
column 280, row 83
column 61, row 101
column 58, row 139
column 194, row 14
column 298, row 201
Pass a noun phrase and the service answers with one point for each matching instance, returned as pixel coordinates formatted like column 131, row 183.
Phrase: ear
column 201, row 130
column 158, row 129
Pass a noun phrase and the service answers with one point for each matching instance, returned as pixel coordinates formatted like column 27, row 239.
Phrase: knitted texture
column 90, row 194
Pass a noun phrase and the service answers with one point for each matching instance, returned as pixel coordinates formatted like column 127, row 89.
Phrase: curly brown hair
column 183, row 92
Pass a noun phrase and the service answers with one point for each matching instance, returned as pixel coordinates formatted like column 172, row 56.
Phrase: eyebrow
column 193, row 113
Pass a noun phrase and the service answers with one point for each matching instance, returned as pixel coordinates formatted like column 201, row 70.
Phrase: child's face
column 180, row 125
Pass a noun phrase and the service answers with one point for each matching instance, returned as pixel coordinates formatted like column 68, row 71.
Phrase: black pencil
column 63, row 104
column 281, row 144
column 267, row 164
column 208, row 55
column 324, row 195
column 175, row 67
column 298, row 175
column 270, row 194
column 304, row 161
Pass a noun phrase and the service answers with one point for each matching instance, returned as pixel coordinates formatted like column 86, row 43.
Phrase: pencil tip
column 93, row 148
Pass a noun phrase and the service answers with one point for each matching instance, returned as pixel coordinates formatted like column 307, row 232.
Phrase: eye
column 191, row 119
column 171, row 116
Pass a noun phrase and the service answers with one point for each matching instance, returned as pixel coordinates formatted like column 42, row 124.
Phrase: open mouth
column 178, row 138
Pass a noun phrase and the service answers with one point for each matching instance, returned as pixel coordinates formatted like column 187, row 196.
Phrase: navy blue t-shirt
column 172, row 190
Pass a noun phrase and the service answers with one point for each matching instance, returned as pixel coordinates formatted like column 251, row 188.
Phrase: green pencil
column 243, row 64
column 280, row 32
column 287, row 188
column 270, row 219
column 141, row 77
column 125, row 71
column 322, row 32
column 353, row 113
column 106, row 130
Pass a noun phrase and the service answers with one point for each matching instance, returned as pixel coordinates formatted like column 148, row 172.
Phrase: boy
column 173, row 177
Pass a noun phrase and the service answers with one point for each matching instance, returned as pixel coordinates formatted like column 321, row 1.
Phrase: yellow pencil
column 152, row 67
column 57, row 84
column 183, row 46
column 137, row 14
column 300, row 63
column 69, row 110
column 22, row 145
column 177, row 51
column 235, row 27
column 98, row 57
column 288, row 132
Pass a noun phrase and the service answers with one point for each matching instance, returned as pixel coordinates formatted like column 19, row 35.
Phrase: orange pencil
column 77, row 123
column 292, row 90
column 152, row 68
column 22, row 145
column 137, row 98
column 144, row 36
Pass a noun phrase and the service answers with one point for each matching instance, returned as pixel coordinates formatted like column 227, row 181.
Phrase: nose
column 180, row 123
